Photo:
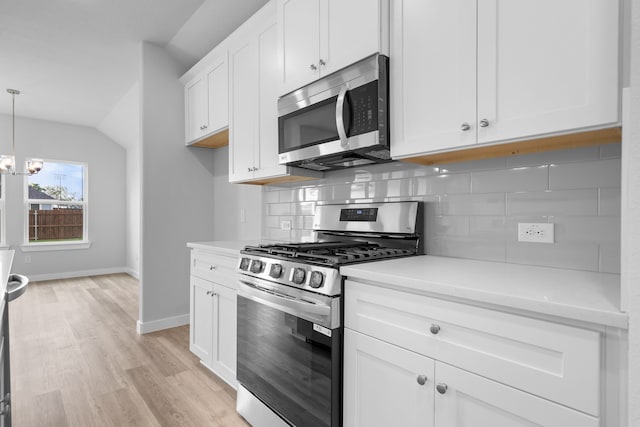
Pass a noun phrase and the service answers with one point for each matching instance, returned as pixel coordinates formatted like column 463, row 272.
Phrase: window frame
column 28, row 246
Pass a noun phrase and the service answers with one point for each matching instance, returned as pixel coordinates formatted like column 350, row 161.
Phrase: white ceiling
column 73, row 60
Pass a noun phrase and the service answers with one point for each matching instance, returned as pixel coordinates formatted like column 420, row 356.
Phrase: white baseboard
column 160, row 324
column 133, row 273
column 72, row 274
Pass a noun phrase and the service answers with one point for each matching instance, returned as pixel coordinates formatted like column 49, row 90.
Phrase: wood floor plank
column 49, row 410
column 77, row 360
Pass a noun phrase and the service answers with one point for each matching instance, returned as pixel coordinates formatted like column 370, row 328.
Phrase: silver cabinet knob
column 422, row 379
column 484, row 123
column 208, row 292
column 322, row 63
column 434, row 329
column 442, row 388
column 465, row 127
column 213, row 267
column 248, row 169
column 313, row 67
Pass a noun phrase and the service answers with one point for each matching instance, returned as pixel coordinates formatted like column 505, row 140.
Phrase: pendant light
column 8, row 162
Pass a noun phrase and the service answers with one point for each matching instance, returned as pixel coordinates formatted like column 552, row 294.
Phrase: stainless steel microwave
column 339, row 121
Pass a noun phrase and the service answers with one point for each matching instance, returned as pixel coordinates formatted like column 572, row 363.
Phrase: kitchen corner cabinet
column 452, row 364
column 253, row 121
column 206, row 101
column 485, row 72
column 318, row 37
column 213, row 297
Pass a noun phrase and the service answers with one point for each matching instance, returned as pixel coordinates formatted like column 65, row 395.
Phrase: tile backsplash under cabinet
column 472, row 208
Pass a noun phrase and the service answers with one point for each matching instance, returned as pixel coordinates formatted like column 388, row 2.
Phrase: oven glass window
column 289, row 366
column 312, row 125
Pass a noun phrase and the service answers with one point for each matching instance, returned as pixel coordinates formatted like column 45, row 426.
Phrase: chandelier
column 8, row 162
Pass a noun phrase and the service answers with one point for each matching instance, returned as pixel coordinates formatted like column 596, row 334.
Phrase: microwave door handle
column 342, row 133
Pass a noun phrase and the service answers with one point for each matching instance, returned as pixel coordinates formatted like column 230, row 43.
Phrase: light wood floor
column 76, row 360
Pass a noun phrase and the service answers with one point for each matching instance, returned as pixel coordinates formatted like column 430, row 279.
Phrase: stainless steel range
column 290, row 314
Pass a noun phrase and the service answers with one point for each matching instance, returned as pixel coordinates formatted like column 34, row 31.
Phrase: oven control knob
column 257, row 266
column 244, row 263
column 317, row 279
column 299, row 274
column 275, row 271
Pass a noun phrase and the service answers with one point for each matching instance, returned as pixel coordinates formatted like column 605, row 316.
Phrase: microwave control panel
column 364, row 109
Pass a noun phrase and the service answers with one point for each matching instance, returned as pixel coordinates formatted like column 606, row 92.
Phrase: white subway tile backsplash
column 610, row 202
column 511, row 180
column 563, row 202
column 279, row 209
column 603, row 173
column 610, row 258
column 442, row 184
column 610, row 151
column 575, row 256
column 473, row 204
column 554, row 157
column 472, row 209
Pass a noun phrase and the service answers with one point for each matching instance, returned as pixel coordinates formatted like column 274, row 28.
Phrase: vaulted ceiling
column 73, row 60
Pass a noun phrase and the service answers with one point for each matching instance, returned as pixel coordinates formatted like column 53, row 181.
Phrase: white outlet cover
column 536, row 232
column 285, row 225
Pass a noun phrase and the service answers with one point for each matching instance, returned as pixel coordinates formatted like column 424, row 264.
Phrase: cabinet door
column 471, row 400
column 242, row 122
column 196, row 108
column 433, row 75
column 267, row 148
column 201, row 319
column 381, row 385
column 224, row 333
column 218, row 96
column 546, row 66
column 299, row 42
column 341, row 41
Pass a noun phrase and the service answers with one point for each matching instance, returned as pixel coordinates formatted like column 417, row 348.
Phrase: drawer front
column 216, row 268
column 554, row 361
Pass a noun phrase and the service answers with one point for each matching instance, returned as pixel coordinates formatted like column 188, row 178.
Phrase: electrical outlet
column 285, row 224
column 535, row 232
column 27, row 259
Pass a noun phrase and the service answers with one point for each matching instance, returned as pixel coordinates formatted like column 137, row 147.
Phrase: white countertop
column 225, row 247
column 6, row 259
column 570, row 294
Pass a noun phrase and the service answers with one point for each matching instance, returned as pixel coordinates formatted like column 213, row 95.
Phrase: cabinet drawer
column 554, row 361
column 214, row 267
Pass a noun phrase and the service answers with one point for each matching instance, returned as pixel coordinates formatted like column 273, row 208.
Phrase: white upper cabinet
column 472, row 71
column 318, row 37
column 206, row 99
column 253, row 122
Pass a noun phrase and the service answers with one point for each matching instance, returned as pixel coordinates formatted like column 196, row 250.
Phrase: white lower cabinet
column 414, row 360
column 212, row 334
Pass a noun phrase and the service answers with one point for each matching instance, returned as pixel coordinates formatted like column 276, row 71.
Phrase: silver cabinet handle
column 442, row 388
column 465, row 127
column 213, row 267
column 322, row 63
column 434, row 329
column 422, row 379
column 484, row 123
column 208, row 292
column 313, row 67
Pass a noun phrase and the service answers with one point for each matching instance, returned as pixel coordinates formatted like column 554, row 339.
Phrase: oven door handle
column 342, row 133
column 313, row 312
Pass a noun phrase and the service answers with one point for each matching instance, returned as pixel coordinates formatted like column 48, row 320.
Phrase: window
column 56, row 204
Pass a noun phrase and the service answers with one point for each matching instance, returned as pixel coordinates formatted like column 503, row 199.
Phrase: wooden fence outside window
column 56, row 224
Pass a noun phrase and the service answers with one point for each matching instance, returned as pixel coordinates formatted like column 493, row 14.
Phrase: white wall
column 230, row 200
column 122, row 125
column 106, row 197
column 177, row 193
column 630, row 222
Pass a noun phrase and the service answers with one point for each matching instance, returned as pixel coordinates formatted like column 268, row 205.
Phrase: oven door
column 288, row 361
